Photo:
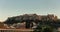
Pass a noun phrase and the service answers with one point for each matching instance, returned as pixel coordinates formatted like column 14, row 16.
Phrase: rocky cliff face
column 30, row 17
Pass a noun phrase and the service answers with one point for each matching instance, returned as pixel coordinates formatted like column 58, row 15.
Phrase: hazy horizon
column 10, row 8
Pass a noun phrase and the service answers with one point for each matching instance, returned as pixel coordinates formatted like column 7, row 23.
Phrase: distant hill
column 30, row 17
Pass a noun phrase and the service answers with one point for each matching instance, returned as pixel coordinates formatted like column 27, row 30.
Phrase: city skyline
column 10, row 8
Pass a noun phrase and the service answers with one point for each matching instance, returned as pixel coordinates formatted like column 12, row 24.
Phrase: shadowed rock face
column 28, row 17
column 22, row 18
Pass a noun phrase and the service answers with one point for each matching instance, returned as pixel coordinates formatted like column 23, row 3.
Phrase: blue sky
column 10, row 8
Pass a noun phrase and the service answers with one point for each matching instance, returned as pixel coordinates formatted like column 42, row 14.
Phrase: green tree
column 43, row 28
